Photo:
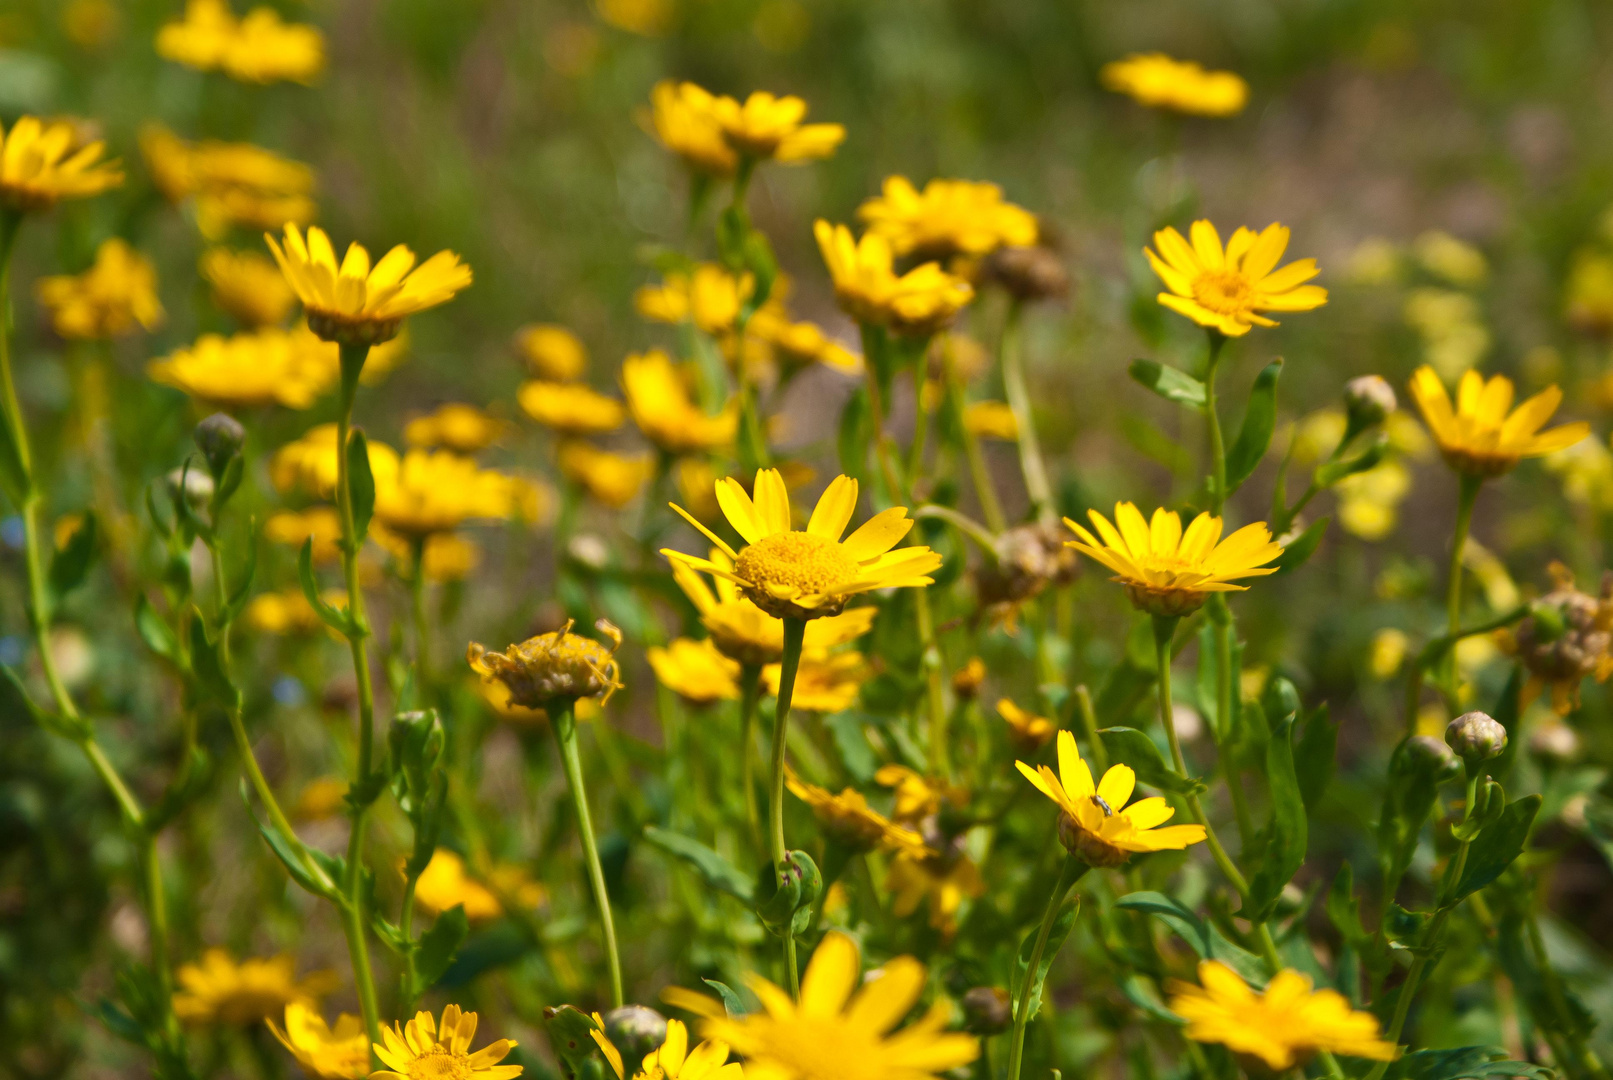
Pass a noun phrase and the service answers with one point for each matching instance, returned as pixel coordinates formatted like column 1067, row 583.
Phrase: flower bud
column 1476, row 737
column 192, row 485
column 219, row 438
column 1424, row 753
column 635, row 1030
column 1368, row 400
column 987, row 1011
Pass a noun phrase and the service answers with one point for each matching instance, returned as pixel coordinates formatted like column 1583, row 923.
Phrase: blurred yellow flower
column 1284, row 1026
column 309, row 463
column 552, row 351
column 1483, row 435
column 611, row 479
column 1588, row 292
column 444, row 884
column 695, row 670
column 1455, row 260
column 1387, row 653
column 455, row 426
column 116, row 294
column 317, row 523
column 811, row 574
column 1225, row 289
column 570, row 408
column 260, row 48
column 421, row 1049
column 800, row 343
column 1369, row 501
column 321, row 798
column 252, row 368
column 1166, row 571
column 767, row 126
column 949, row 217
column 826, row 684
column 232, row 184
column 220, row 991
column 663, row 410
column 1453, row 335
column 1184, row 86
column 1586, row 471
column 355, row 302
column 917, row 796
column 434, row 491
column 1027, row 732
column 447, row 556
column 648, row 18
column 847, row 819
column 247, row 286
column 339, row 1053
column 683, row 118
column 991, row 420
column 920, row 302
column 710, row 297
column 42, row 163
column 945, row 881
column 289, row 612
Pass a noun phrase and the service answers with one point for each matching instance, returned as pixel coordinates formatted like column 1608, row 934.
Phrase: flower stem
column 750, row 690
column 935, row 693
column 794, row 633
column 563, row 722
column 1467, row 495
column 1071, row 872
column 1212, row 418
column 985, row 492
column 1019, row 401
column 417, row 613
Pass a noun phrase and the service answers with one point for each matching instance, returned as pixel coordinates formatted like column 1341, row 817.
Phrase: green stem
column 1467, row 495
column 563, row 722
column 1071, row 872
column 750, row 691
column 935, row 693
column 1587, row 1058
column 1222, row 729
column 985, row 492
column 875, row 359
column 1019, row 401
column 1089, row 727
column 417, row 613
column 1212, row 417
column 794, row 633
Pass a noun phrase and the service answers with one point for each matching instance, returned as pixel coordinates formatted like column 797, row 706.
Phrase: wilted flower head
column 111, row 298
column 1566, row 637
column 1032, row 272
column 1030, row 557
column 949, row 217
column 1158, row 81
column 42, row 163
column 558, row 664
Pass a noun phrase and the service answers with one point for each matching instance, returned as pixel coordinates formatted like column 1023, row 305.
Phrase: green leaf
column 570, row 1034
column 207, row 665
column 1343, row 909
column 1132, row 747
column 1168, row 382
column 1497, row 846
column 1286, row 831
column 286, row 852
column 1259, row 421
column 155, row 631
column 243, row 592
column 15, row 478
column 438, row 945
column 1298, row 550
column 852, row 442
column 360, row 484
column 335, row 618
column 730, row 1000
column 1207, row 941
column 1060, row 930
column 1331, row 473
column 14, row 696
column 1315, row 755
column 717, row 871
column 71, row 564
column 1463, row 1063
column 1141, row 993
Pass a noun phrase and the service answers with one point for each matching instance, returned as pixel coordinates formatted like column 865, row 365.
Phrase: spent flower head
column 1566, row 638
column 553, row 666
column 1226, row 289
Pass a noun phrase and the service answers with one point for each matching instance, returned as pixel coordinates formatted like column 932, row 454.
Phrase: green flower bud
column 635, row 1030
column 1476, row 737
column 1368, row 401
column 219, row 438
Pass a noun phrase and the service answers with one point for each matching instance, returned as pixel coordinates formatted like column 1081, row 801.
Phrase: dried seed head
column 554, row 665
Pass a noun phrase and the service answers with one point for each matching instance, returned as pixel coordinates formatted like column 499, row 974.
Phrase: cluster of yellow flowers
column 261, row 48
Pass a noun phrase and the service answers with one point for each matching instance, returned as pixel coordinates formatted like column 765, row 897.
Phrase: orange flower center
column 1225, row 292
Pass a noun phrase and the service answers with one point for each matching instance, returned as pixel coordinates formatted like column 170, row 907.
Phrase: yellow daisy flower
column 1166, row 571
column 683, row 119
column 917, row 796
column 247, row 286
column 288, row 611
column 991, row 420
column 672, row 1059
column 257, row 367
column 663, row 410
column 220, row 991
column 266, row 49
column 811, row 574
column 339, row 1053
column 552, row 351
column 1483, row 435
column 358, row 303
column 766, row 126
column 570, row 408
column 424, row 1050
column 710, row 297
column 199, row 39
column 850, row 821
column 447, row 556
column 232, row 184
column 445, row 884
column 437, row 491
column 823, row 684
column 920, row 302
column 111, row 298
column 1158, row 81
column 1225, row 289
column 1096, row 823
column 318, row 523
column 42, row 163
column 455, row 426
column 1026, row 731
column 949, row 217
column 833, row 1034
column 610, row 479
column 1284, row 1026
column 695, row 670
column 802, row 343
column 944, row 881
column 309, row 463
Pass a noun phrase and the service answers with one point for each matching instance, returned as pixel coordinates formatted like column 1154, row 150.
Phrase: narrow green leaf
column 1315, row 754
column 155, row 631
column 438, row 945
column 1334, row 471
column 1286, row 831
column 1207, row 941
column 360, row 484
column 1343, row 909
column 335, row 618
column 243, row 590
column 71, row 563
column 15, row 480
column 207, row 665
column 1259, row 421
column 1299, row 550
column 1132, row 747
column 1497, row 846
column 717, row 871
column 852, row 442
column 730, row 1000
column 1062, row 924
column 1464, row 1063
column 1168, row 382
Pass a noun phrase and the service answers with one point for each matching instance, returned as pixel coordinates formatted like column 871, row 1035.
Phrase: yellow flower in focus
column 945, row 881
column 41, row 164
column 111, row 298
column 1183, row 86
column 849, row 821
column 339, row 1053
column 1483, row 435
column 920, row 302
column 683, row 119
column 1097, row 825
column 232, row 184
column 455, row 426
column 1027, row 732
column 695, row 671
column 672, row 1059
column 949, row 217
column 552, row 351
column 1284, row 1026
column 355, row 302
column 558, row 664
column 437, row 491
column 570, row 408
column 991, row 420
column 1225, row 289
column 423, row 1050
column 252, row 368
column 260, row 48
column 663, row 410
column 220, row 991
column 317, row 523
column 832, row 1033
column 647, row 18
column 444, row 884
column 826, row 684
column 1170, row 572
column 766, row 126
column 247, row 286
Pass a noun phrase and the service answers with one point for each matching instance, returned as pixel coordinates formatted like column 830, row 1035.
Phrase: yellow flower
column 42, row 163
column 611, row 479
column 288, row 611
column 662, row 408
column 309, row 463
column 1096, row 823
column 709, row 296
column 220, row 991
column 256, row 367
column 570, row 408
column 1156, row 80
column 201, row 38
column 1455, row 260
column 1226, row 289
column 848, row 819
column 354, row 302
column 321, row 798
column 318, row 523
column 672, row 1059
column 497, row 696
column 823, row 684
column 1388, row 652
column 455, row 426
column 1170, row 572
column 558, row 664
column 1484, row 435
column 260, row 48
column 423, row 1050
column 991, row 420
column 801, row 343
column 444, row 884
column 340, row 1053
column 1369, row 501
column 448, row 556
column 1588, row 292
column 437, row 491
column 233, row 184
column 949, row 217
column 811, row 574
column 916, row 796
column 247, row 286
column 833, row 1034
column 552, row 352
column 683, row 118
column 945, row 881
column 1284, row 1026
column 766, row 126
column 919, row 302
column 744, row 632
column 108, row 300
column 695, row 671
column 649, row 18
column 1026, row 731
